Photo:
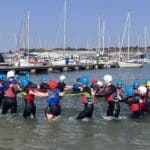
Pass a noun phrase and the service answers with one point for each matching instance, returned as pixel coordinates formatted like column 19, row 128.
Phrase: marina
column 56, row 68
column 74, row 75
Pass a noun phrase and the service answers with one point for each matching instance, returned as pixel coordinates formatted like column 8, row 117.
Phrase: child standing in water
column 87, row 99
column 30, row 107
column 43, row 87
column 53, row 110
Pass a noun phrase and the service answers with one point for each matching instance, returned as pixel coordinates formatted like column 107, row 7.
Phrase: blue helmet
column 43, row 79
column 1, row 77
column 119, row 82
column 24, row 82
column 4, row 77
column 129, row 91
column 84, row 80
column 27, row 75
column 17, row 76
column 136, row 84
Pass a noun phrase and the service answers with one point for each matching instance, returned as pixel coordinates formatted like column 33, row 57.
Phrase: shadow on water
column 67, row 133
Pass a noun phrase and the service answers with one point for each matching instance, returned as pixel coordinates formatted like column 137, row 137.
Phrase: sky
column 46, row 22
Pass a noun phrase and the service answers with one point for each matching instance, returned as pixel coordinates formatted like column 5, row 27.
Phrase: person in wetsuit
column 94, row 85
column 62, row 84
column 109, row 93
column 132, row 101
column 1, row 91
column 10, row 87
column 87, row 99
column 135, row 87
column 43, row 87
column 53, row 110
column 77, row 86
column 148, row 96
column 29, row 107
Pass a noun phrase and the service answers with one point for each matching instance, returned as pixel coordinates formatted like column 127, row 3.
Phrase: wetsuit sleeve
column 109, row 92
column 4, row 86
column 126, row 101
column 135, row 100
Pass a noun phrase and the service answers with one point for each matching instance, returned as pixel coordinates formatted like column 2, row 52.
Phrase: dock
column 56, row 68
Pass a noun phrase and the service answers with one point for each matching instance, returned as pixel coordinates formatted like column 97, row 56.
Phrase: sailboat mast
column 103, row 39
column 124, row 33
column 99, row 36
column 28, row 33
column 129, row 26
column 145, row 33
column 65, row 19
column 138, row 39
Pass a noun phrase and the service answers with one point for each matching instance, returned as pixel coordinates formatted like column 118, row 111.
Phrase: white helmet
column 142, row 90
column 10, row 73
column 99, row 83
column 62, row 78
column 107, row 78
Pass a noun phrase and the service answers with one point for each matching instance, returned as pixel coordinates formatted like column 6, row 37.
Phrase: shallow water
column 66, row 133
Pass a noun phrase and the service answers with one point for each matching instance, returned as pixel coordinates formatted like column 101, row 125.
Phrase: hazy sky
column 46, row 21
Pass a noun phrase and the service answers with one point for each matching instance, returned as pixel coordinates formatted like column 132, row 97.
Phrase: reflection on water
column 67, row 133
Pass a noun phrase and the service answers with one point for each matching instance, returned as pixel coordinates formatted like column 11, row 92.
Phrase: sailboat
column 127, row 63
column 26, row 60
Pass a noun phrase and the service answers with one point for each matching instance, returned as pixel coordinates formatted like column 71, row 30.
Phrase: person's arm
column 61, row 94
column 40, row 94
column 107, row 93
column 68, row 87
column 4, row 86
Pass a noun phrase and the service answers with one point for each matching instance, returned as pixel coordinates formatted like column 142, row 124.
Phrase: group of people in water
column 136, row 97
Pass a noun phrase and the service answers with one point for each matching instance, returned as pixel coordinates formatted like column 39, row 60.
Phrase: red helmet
column 52, row 84
column 94, row 80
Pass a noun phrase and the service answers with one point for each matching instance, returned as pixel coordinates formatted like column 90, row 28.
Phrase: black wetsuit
column 30, row 107
column 111, row 104
column 88, row 106
column 1, row 96
column 61, row 86
column 44, row 87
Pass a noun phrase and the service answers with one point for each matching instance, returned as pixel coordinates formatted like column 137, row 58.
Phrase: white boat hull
column 129, row 65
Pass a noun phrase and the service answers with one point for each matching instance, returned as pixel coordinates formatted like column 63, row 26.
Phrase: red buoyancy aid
column 84, row 99
column 10, row 92
column 143, row 103
column 30, row 97
column 134, row 107
column 90, row 99
column 109, row 97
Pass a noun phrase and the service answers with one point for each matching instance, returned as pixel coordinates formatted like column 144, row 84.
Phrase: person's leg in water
column 52, row 112
column 110, row 109
column 14, row 107
column 117, row 109
column 33, row 110
column 136, row 114
column 27, row 110
column 87, row 112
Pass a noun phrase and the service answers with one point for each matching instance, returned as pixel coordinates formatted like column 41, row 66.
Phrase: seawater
column 67, row 133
